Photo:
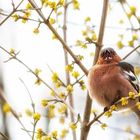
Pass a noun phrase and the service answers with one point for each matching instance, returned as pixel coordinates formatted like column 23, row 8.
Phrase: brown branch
column 3, row 100
column 14, row 10
column 70, row 97
column 58, row 37
column 4, row 136
column 85, row 129
column 20, row 17
column 131, row 52
column 40, row 79
column 122, row 5
column 116, row 103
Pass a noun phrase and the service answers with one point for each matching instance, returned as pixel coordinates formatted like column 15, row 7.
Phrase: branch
column 70, row 97
column 131, row 52
column 14, row 10
column 116, row 103
column 2, row 98
column 40, row 79
column 4, row 136
column 85, row 128
column 58, row 36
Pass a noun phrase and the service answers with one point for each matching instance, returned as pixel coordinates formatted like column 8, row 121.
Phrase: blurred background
column 39, row 50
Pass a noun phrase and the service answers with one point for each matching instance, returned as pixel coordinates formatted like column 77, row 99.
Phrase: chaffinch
column 111, row 79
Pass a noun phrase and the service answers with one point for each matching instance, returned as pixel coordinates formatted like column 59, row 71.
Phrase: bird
column 110, row 79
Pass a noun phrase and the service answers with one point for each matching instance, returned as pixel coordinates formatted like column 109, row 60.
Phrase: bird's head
column 107, row 56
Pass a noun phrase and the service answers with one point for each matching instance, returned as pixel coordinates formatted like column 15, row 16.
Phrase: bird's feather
column 129, row 74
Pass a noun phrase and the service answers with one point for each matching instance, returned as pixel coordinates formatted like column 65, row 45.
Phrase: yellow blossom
column 132, row 95
column 54, row 77
column 36, row 30
column 26, row 16
column 120, row 44
column 84, row 33
column 37, row 71
column 62, row 95
column 64, row 132
column 28, row 6
column 52, row 21
column 76, row 5
column 131, row 43
column 75, row 74
column 15, row 17
column 38, row 81
column 81, row 44
column 52, row 93
column 134, row 37
column 46, row 137
column 45, row 2
column 54, row 37
column 54, row 134
column 108, row 113
column 80, row 57
column 6, row 108
column 82, row 84
column 24, row 20
column 69, row 68
column 62, row 2
column 103, row 125
column 138, row 105
column 133, row 9
column 129, row 15
column 73, row 126
column 124, row 101
column 70, row 88
column 44, row 102
column 52, row 106
column 52, row 4
column 51, row 111
column 28, row 112
column 94, row 37
column 113, row 108
column 87, row 19
column 12, row 51
column 36, row 116
column 39, row 133
column 58, row 84
column 59, row 13
column 62, row 109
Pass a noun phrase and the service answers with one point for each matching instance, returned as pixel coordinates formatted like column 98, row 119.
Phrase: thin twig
column 131, row 52
column 116, row 103
column 47, row 85
column 70, row 97
column 14, row 10
column 59, row 37
column 2, row 98
column 4, row 136
column 63, row 84
column 78, row 80
column 20, row 17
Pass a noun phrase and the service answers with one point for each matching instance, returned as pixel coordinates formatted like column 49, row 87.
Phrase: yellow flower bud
column 36, row 116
